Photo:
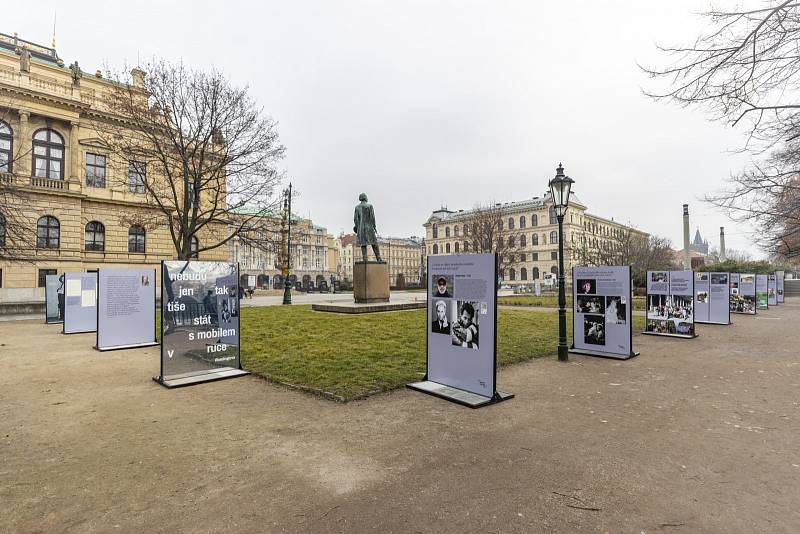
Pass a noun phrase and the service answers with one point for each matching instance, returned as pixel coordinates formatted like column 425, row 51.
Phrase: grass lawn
column 551, row 301
column 352, row 356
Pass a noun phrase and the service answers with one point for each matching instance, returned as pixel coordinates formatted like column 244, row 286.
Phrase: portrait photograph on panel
column 588, row 304
column 440, row 313
column 587, row 286
column 616, row 310
column 719, row 278
column 442, row 286
column 465, row 328
column 702, row 296
column 659, row 276
column 594, row 329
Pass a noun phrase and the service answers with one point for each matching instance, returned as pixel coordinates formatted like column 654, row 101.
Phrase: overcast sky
column 428, row 103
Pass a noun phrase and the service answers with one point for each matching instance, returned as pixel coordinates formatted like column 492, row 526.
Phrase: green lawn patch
column 352, row 356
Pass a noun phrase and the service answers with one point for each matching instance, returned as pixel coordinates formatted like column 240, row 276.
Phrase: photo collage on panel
column 670, row 314
column 598, row 311
column 453, row 316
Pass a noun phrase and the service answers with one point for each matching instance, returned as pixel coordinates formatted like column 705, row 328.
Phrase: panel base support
column 600, row 354
column 459, row 396
column 179, row 381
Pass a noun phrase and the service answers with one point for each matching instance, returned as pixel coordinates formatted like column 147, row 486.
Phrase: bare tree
column 17, row 236
column 744, row 71
column 485, row 231
column 200, row 149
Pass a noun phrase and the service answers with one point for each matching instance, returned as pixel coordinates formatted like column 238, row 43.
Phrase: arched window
column 499, row 241
column 512, row 274
column 193, row 250
column 511, row 223
column 522, row 221
column 534, row 239
column 534, row 220
column 455, row 231
column 466, row 246
column 554, row 237
column 466, row 230
column 522, row 257
column 500, row 224
column 2, row 231
column 456, row 247
column 48, row 154
column 523, row 274
column 48, row 232
column 523, row 241
column 6, row 146
column 435, row 232
column 447, row 248
column 511, row 241
column 447, row 231
column 136, row 239
column 435, row 248
column 554, row 269
column 553, row 219
column 535, row 273
column 95, row 236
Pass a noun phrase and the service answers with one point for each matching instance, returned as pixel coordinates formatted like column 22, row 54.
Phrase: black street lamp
column 287, row 285
column 559, row 190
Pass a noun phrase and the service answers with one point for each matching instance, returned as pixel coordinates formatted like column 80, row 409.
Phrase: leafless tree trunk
column 201, row 150
column 17, row 232
column 744, row 71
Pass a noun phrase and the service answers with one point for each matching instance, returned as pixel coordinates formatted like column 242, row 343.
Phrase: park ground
column 691, row 436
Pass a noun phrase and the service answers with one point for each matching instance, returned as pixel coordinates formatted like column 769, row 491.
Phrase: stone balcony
column 36, row 182
column 46, row 85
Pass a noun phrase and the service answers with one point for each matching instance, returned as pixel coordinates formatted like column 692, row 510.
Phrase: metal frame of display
column 64, row 322
column 209, row 376
column 497, row 396
column 728, row 285
column 647, row 307
column 134, row 345
column 755, row 298
column 598, row 353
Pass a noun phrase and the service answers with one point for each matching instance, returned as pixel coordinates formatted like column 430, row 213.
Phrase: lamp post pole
column 287, row 285
column 562, row 297
column 560, row 190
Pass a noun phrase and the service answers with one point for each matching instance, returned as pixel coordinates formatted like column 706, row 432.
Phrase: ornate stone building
column 82, row 206
column 528, row 236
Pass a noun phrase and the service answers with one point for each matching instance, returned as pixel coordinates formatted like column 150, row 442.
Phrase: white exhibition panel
column 670, row 303
column 80, row 302
column 712, row 297
column 772, row 290
column 462, row 322
column 779, row 278
column 126, row 308
column 762, row 291
column 602, row 303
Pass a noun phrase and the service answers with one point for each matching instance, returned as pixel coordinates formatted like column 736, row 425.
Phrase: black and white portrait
column 594, row 329
column 587, row 286
column 616, row 310
column 590, row 304
column 442, row 286
column 465, row 324
column 441, row 317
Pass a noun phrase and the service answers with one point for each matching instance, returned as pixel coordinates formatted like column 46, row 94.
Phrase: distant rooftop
column 12, row 42
column 530, row 203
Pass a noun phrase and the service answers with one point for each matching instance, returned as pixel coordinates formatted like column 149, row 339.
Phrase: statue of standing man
column 364, row 221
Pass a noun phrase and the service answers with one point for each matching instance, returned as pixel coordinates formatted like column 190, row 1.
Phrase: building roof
column 40, row 52
column 445, row 214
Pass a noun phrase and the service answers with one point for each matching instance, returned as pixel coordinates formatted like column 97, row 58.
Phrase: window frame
column 48, row 146
column 95, row 166
column 95, row 233
column 48, row 238
column 133, row 170
column 10, row 151
column 144, row 240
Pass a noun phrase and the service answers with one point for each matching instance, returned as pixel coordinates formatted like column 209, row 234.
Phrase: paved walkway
column 692, row 436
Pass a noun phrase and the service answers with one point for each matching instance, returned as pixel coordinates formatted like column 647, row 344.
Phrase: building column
column 22, row 161
column 74, row 169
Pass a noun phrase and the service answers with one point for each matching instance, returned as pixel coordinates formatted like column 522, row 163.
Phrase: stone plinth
column 370, row 282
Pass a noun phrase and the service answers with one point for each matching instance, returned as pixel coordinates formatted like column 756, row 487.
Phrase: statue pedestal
column 370, row 281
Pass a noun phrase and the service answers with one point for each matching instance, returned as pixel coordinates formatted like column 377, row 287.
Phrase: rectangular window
column 95, row 170
column 43, row 274
column 137, row 173
column 554, row 255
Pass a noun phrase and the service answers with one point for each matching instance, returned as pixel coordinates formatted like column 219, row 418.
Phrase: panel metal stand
column 190, row 379
column 600, row 354
column 459, row 396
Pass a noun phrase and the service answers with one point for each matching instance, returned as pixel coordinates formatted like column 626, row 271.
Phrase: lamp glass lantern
column 559, row 190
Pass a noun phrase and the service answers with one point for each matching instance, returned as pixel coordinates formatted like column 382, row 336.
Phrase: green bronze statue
column 364, row 220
